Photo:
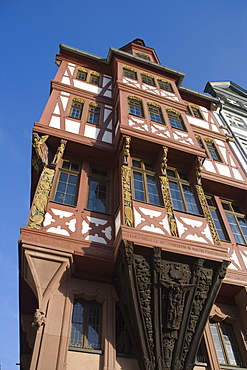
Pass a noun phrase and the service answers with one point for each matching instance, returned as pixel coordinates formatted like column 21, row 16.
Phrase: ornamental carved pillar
column 126, row 179
column 165, row 300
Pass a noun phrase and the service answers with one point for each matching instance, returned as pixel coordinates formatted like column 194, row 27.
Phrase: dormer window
column 165, row 85
column 94, row 78
column 147, row 79
column 143, row 56
column 82, row 74
column 130, row 73
column 194, row 110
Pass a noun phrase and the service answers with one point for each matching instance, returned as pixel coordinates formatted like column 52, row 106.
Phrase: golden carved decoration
column 41, row 199
column 164, row 160
column 130, row 69
column 194, row 106
column 207, row 140
column 78, row 100
column 168, row 203
column 162, row 80
column 82, row 70
column 153, row 104
column 132, row 97
column 128, row 211
column 207, row 214
column 173, row 111
column 126, row 150
column 200, row 161
column 95, row 74
column 146, row 75
column 143, row 56
column 60, row 151
column 93, row 104
column 40, row 147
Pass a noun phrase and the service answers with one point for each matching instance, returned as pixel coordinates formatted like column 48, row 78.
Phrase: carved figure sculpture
column 40, row 147
column 39, row 319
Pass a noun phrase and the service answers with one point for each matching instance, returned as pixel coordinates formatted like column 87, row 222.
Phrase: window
column 130, row 73
column 194, row 110
column 143, row 56
column 144, row 179
column 94, row 78
column 200, row 142
column 147, row 79
column 123, row 342
column 183, row 198
column 165, row 85
column 97, row 196
column 93, row 113
column 237, row 221
column 225, row 344
column 66, row 192
column 212, row 150
column 175, row 119
column 155, row 113
column 217, row 219
column 81, row 74
column 76, row 108
column 135, row 106
column 86, row 325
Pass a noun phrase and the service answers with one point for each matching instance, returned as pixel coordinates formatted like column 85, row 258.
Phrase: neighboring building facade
column 138, row 207
column 232, row 115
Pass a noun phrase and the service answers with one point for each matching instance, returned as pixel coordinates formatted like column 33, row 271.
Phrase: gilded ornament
column 60, row 151
column 129, row 69
column 133, row 97
column 128, row 212
column 82, row 70
column 78, row 100
column 126, row 149
column 172, row 111
column 41, row 148
column 153, row 104
column 168, row 203
column 93, row 104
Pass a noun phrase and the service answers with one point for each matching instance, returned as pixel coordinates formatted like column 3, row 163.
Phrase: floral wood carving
column 168, row 203
column 128, row 207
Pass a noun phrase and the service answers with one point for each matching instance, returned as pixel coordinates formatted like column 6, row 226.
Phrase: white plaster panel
column 195, row 238
column 223, row 152
column 106, row 80
column 117, row 223
column 182, row 137
column 208, row 234
column 57, row 110
column 215, row 128
column 131, row 82
column 234, row 259
column 109, row 126
column 48, row 219
column 153, row 229
column 197, row 122
column 66, row 80
column 237, row 174
column 71, row 64
column 181, row 227
column 91, row 131
column 55, row 122
column 85, row 86
column 137, row 217
column 232, row 162
column 96, row 238
column 71, row 225
column 65, row 93
column 244, row 257
column 223, row 169
column 107, row 93
column 66, row 73
column 58, row 230
column 208, row 165
column 165, row 224
column 64, row 101
column 96, row 221
column 60, row 213
column 150, row 212
column 219, row 142
column 107, row 137
column 72, row 126
column 71, row 69
column 107, row 232
column 107, row 112
column 205, row 114
column 191, row 222
column 85, row 227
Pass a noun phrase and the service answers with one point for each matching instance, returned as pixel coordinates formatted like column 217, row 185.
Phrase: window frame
column 67, row 171
column 74, row 106
column 180, row 182
column 147, row 194
column 94, row 110
column 93, row 177
column 223, row 346
column 167, row 86
column 235, row 216
column 194, row 110
column 215, row 214
column 149, row 79
column 174, row 115
column 214, row 150
column 158, row 113
column 83, row 71
column 135, row 103
column 92, row 76
column 128, row 70
column 85, row 326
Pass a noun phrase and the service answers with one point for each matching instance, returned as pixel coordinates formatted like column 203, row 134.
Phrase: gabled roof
column 225, row 86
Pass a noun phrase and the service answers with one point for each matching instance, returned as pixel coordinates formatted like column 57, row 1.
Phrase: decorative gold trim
column 130, row 69
column 78, row 100
column 59, row 152
column 168, row 204
column 126, row 150
column 41, row 199
column 200, row 161
column 132, row 97
column 194, row 106
column 162, row 80
column 153, row 104
column 82, row 70
column 173, row 111
column 146, row 75
column 143, row 56
column 95, row 74
column 128, row 207
column 93, row 104
column 207, row 140
column 207, row 214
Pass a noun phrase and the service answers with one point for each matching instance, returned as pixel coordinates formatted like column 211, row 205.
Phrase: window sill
column 86, row 350
column 231, row 367
column 63, row 204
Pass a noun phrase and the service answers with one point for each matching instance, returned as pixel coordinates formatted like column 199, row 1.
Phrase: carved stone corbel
column 38, row 319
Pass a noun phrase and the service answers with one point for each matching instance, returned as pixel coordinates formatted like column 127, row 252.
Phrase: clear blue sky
column 204, row 39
